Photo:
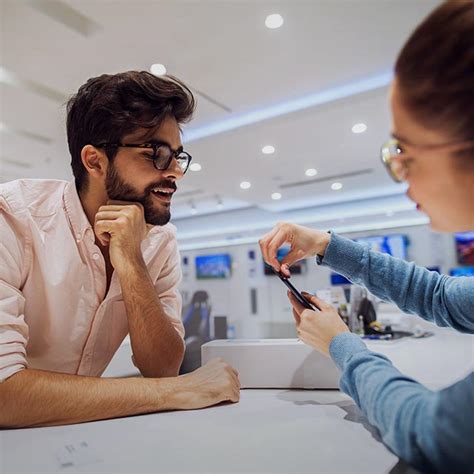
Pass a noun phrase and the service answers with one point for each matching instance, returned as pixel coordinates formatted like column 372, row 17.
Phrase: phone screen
column 295, row 292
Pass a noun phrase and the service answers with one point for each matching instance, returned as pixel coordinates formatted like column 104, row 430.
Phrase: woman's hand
column 304, row 243
column 317, row 328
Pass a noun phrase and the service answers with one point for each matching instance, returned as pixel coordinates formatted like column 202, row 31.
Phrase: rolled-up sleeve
column 13, row 328
column 167, row 287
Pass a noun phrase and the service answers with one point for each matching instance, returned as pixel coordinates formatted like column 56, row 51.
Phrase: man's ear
column 95, row 162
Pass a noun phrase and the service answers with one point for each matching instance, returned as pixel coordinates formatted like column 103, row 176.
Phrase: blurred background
column 292, row 111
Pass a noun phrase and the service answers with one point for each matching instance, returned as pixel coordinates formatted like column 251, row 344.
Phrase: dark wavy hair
column 435, row 72
column 110, row 106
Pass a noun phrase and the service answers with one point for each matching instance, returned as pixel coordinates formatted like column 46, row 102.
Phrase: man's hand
column 317, row 328
column 304, row 243
column 211, row 384
column 121, row 226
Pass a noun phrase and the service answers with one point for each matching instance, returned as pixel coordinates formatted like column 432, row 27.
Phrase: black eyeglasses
column 162, row 154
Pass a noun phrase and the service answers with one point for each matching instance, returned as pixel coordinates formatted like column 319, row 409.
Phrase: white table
column 268, row 431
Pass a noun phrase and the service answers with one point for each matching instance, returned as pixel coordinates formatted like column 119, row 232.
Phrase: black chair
column 197, row 332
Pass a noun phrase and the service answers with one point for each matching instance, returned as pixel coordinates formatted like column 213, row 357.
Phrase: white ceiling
column 222, row 49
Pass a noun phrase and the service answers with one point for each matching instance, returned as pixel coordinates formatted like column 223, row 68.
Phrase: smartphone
column 295, row 292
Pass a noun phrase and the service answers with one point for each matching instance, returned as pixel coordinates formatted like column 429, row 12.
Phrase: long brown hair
column 435, row 71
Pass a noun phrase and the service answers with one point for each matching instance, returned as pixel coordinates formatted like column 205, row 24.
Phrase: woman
column 432, row 102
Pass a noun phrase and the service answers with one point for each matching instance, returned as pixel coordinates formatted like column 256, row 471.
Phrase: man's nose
column 174, row 171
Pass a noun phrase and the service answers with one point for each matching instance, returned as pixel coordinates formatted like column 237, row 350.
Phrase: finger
column 106, row 215
column 297, row 318
column 289, row 259
column 103, row 231
column 277, row 241
column 234, row 371
column 121, row 207
column 318, row 302
column 297, row 306
column 264, row 241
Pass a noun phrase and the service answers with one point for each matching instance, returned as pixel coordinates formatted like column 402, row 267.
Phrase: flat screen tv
column 465, row 247
column 395, row 244
column 338, row 279
column 462, row 271
column 296, row 268
column 213, row 266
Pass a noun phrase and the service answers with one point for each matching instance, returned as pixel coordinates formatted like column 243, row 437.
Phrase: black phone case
column 295, row 292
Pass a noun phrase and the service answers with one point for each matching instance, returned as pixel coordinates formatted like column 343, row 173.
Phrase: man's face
column 132, row 177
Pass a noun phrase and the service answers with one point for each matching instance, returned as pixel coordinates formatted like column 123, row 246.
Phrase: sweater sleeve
column 433, row 431
column 446, row 301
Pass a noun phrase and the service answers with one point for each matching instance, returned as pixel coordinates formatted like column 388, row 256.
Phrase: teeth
column 161, row 191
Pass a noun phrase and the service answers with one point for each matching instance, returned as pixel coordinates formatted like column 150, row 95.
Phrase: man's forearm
column 38, row 398
column 157, row 348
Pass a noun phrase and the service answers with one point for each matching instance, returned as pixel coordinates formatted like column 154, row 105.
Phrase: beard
column 118, row 190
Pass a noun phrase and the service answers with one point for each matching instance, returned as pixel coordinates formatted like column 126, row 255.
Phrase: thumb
column 290, row 258
column 318, row 302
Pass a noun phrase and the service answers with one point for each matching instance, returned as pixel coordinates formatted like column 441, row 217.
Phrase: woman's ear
column 95, row 162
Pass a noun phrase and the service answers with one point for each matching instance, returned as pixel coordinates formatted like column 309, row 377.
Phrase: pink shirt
column 54, row 313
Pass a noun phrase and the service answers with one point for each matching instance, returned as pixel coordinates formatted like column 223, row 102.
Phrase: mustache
column 164, row 184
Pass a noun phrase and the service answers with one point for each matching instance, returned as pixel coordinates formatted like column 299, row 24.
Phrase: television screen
column 296, row 268
column 462, row 271
column 337, row 279
column 395, row 245
column 213, row 266
column 465, row 247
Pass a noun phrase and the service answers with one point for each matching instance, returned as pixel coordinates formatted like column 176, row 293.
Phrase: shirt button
column 95, row 256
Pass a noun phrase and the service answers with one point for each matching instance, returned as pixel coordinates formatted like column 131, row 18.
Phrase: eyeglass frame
column 387, row 161
column 151, row 146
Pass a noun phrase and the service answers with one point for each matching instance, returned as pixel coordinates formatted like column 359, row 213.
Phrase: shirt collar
column 75, row 212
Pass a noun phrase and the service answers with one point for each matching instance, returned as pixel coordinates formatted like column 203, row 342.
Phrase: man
column 84, row 263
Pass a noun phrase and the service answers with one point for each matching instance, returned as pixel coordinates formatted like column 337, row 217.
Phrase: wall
column 231, row 297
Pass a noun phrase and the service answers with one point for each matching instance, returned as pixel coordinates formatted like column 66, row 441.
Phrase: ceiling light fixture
column 359, row 128
column 195, row 167
column 158, row 69
column 276, row 196
column 336, row 186
column 245, row 185
column 268, row 150
column 311, row 172
column 274, row 21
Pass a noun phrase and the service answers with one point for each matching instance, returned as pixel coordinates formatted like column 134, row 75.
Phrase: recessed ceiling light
column 336, row 186
column 245, row 185
column 195, row 167
column 274, row 21
column 268, row 150
column 276, row 196
column 359, row 128
column 311, row 172
column 158, row 69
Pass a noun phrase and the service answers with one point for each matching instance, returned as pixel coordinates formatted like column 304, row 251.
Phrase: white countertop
column 268, row 431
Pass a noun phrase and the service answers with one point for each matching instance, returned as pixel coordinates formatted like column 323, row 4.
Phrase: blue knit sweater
column 432, row 430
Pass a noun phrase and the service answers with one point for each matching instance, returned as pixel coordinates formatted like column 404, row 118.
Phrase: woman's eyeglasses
column 392, row 155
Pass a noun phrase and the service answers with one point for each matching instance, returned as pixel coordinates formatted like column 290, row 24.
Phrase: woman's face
column 438, row 184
